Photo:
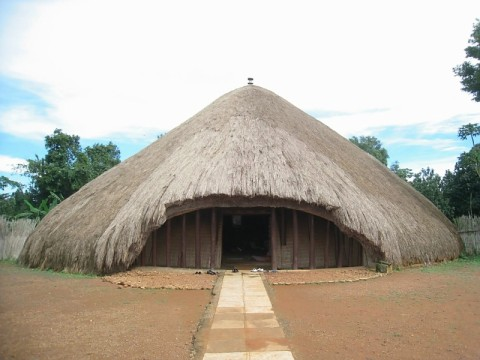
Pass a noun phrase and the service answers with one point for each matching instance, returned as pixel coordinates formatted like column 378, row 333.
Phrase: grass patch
column 66, row 275
column 462, row 262
column 8, row 261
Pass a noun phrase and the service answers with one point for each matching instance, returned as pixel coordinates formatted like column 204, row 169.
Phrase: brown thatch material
column 248, row 148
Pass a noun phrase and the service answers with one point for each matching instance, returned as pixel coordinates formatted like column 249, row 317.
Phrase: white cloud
column 8, row 164
column 24, row 121
column 135, row 67
column 440, row 164
column 436, row 144
column 132, row 69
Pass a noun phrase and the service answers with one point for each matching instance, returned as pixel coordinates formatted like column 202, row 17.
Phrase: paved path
column 244, row 325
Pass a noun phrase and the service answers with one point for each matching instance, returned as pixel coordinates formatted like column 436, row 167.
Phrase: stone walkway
column 244, row 325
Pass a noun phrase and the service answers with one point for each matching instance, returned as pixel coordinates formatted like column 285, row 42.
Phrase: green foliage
column 473, row 156
column 458, row 192
column 66, row 167
column 469, row 130
column 373, row 146
column 469, row 72
column 429, row 184
column 6, row 182
column 46, row 205
column 54, row 173
column 403, row 173
column 11, row 203
column 462, row 186
column 94, row 161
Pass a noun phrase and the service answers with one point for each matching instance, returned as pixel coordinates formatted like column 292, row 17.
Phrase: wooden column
column 311, row 223
column 198, row 262
column 295, row 240
column 184, row 240
column 168, row 242
column 341, row 246
column 273, row 239
column 336, row 245
column 283, row 231
column 327, row 243
column 360, row 254
column 154, row 247
column 348, row 251
column 213, row 238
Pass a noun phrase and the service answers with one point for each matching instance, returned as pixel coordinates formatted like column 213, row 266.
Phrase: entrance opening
column 246, row 241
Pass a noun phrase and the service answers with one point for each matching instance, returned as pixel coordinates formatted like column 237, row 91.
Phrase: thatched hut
column 249, row 177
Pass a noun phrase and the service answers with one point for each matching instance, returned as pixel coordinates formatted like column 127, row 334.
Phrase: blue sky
column 126, row 71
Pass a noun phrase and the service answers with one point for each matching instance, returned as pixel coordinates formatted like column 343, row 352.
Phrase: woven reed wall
column 469, row 230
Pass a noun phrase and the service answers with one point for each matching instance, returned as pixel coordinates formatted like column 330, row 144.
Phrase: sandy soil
column 414, row 314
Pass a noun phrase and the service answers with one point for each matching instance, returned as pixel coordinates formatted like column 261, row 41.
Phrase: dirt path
column 431, row 313
column 44, row 315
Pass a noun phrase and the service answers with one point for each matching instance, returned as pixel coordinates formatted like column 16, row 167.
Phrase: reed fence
column 13, row 234
column 469, row 230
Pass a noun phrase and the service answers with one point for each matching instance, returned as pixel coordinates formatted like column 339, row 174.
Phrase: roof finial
column 250, row 81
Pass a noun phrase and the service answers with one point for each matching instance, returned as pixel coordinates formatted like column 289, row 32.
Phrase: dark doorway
column 246, row 241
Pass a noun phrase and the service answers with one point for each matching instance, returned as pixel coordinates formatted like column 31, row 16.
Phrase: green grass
column 8, row 261
column 52, row 273
column 461, row 262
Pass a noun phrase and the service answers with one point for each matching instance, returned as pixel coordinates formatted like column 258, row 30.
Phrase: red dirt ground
column 45, row 315
column 418, row 313
column 431, row 313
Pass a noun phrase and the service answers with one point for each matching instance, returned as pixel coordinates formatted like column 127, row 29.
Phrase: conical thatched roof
column 248, row 148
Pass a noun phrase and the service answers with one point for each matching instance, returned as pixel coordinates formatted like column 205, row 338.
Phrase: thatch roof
column 250, row 147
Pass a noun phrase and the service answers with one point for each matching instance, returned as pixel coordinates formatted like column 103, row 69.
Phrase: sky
column 127, row 71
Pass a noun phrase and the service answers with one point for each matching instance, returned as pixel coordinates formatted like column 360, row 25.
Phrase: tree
column 94, row 161
column 373, row 146
column 6, row 182
column 55, row 172
column 428, row 183
column 462, row 186
column 403, row 173
column 469, row 130
column 66, row 167
column 473, row 156
column 470, row 72
column 43, row 209
column 11, row 203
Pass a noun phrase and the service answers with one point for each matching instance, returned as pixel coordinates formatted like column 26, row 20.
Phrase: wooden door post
column 213, row 238
column 168, row 242
column 311, row 223
column 273, row 239
column 198, row 262
column 295, row 240
column 184, row 240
